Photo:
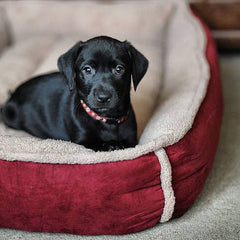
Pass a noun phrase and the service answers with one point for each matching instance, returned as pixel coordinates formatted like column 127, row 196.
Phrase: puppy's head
column 100, row 69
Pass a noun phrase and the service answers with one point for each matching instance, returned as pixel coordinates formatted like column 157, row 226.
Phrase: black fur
column 97, row 71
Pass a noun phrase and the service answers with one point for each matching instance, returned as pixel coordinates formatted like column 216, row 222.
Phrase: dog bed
column 57, row 186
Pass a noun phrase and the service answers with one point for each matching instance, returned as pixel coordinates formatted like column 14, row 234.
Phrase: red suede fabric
column 106, row 198
column 192, row 157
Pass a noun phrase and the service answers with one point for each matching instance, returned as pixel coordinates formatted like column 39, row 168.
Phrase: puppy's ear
column 139, row 64
column 66, row 64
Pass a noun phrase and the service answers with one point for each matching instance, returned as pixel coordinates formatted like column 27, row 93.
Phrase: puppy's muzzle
column 102, row 96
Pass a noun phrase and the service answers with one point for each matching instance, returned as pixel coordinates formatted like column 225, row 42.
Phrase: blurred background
column 223, row 18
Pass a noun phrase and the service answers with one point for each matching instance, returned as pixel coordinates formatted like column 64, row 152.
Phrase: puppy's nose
column 104, row 97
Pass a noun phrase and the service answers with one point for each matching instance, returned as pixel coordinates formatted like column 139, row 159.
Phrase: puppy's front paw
column 115, row 147
column 111, row 146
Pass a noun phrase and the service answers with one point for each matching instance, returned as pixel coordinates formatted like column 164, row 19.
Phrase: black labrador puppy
column 87, row 102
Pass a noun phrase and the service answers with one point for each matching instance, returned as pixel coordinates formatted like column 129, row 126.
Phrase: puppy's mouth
column 102, row 110
column 105, row 111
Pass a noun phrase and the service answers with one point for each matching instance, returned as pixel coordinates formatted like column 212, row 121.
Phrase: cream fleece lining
column 186, row 77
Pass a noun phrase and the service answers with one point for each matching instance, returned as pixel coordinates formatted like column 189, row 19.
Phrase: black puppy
column 87, row 102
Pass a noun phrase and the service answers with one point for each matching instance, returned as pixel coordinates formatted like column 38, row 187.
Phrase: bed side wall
column 192, row 157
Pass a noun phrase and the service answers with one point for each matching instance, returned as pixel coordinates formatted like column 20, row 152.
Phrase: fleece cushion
column 20, row 61
column 4, row 33
column 56, row 186
column 132, row 20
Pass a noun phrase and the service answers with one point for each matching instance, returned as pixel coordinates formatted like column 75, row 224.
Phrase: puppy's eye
column 119, row 70
column 87, row 69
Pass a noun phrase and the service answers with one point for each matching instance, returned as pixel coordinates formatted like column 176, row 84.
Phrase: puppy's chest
column 109, row 132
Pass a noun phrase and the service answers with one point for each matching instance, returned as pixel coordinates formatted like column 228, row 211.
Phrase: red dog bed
column 116, row 197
